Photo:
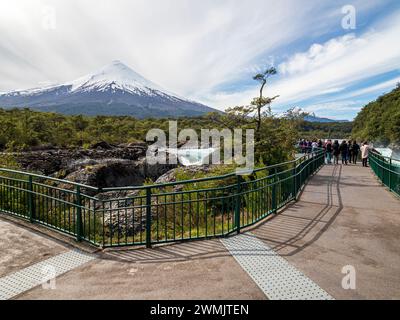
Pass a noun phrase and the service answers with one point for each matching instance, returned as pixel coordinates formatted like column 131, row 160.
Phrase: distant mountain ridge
column 113, row 90
column 310, row 117
column 314, row 118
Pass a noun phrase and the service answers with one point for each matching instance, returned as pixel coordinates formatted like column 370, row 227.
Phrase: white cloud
column 343, row 61
column 331, row 108
column 192, row 47
column 340, row 110
column 378, row 88
column 332, row 66
column 320, row 54
column 186, row 46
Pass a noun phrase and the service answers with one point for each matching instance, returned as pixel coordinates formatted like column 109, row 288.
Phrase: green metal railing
column 153, row 214
column 387, row 170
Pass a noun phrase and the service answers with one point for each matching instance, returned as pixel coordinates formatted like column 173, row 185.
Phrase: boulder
column 102, row 145
column 121, row 214
column 116, row 173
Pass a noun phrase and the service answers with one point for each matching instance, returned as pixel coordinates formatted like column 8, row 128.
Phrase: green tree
column 260, row 102
column 379, row 120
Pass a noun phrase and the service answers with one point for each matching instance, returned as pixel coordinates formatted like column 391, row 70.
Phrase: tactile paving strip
column 30, row 277
column 278, row 279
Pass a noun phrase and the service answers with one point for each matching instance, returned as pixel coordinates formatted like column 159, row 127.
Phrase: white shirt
column 364, row 151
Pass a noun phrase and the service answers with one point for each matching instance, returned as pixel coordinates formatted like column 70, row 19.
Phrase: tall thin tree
column 261, row 102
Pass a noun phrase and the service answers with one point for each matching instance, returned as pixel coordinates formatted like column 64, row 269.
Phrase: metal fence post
column 79, row 229
column 148, row 218
column 274, row 207
column 295, row 181
column 313, row 163
column 237, row 203
column 31, row 207
column 390, row 174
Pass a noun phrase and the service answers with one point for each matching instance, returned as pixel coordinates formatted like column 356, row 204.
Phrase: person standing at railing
column 350, row 151
column 328, row 152
column 303, row 146
column 309, row 146
column 314, row 146
column 365, row 153
column 355, row 152
column 344, row 150
column 336, row 152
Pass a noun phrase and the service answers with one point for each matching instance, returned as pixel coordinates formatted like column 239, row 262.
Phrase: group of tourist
column 308, row 146
column 348, row 151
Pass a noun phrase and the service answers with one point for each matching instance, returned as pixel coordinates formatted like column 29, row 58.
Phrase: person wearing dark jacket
column 355, row 150
column 328, row 152
column 336, row 152
column 344, row 150
column 350, row 151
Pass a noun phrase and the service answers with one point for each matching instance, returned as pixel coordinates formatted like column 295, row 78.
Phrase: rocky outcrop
column 65, row 161
column 117, row 173
column 101, row 166
column 170, row 176
column 108, row 166
column 122, row 215
column 125, row 213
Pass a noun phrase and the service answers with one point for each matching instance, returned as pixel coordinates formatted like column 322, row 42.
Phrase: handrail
column 182, row 182
column 48, row 178
column 198, row 180
column 154, row 214
column 386, row 171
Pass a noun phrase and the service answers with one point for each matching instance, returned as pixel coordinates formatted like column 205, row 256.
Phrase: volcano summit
column 115, row 89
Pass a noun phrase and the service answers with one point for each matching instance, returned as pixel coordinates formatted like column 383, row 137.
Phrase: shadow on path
column 302, row 223
column 287, row 233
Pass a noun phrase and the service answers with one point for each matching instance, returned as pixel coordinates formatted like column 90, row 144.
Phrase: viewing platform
column 343, row 217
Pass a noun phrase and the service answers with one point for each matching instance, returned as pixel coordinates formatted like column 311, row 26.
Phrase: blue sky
column 209, row 50
column 346, row 93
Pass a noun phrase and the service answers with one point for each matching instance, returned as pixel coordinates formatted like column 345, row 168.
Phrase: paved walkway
column 344, row 217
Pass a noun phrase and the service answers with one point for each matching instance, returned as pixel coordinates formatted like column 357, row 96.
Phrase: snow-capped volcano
column 116, row 76
column 113, row 90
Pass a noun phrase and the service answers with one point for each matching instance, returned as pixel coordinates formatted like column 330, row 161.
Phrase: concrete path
column 195, row 270
column 344, row 217
column 20, row 247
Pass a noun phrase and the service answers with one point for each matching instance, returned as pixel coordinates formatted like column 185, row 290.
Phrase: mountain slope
column 379, row 121
column 113, row 90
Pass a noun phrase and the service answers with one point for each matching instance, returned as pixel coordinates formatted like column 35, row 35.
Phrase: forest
column 23, row 129
column 379, row 121
column 318, row 130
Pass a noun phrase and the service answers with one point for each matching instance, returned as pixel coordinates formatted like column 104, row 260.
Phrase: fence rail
column 387, row 170
column 147, row 215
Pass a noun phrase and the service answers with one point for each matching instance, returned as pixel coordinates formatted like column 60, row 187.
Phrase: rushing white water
column 386, row 152
column 192, row 157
